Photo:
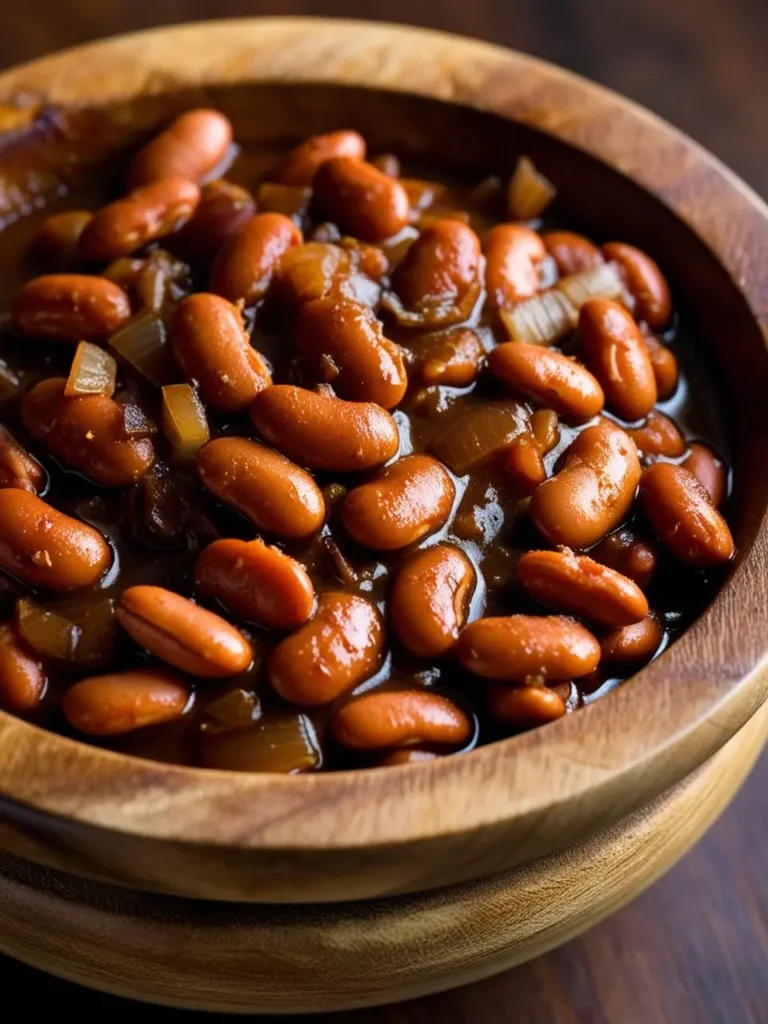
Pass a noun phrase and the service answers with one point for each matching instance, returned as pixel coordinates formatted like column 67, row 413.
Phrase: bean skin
column 246, row 261
column 617, row 355
column 572, row 253
column 430, row 600
column 511, row 648
column 87, row 434
column 362, row 200
column 47, row 549
column 276, row 495
column 337, row 649
column 399, row 718
column 192, row 147
column 405, row 502
column 645, row 282
column 525, row 707
column 708, row 470
column 659, row 435
column 578, row 585
column 301, row 164
column 545, row 428
column 683, row 516
column 342, row 343
column 593, row 491
column 182, row 634
column 212, row 348
column 17, row 467
column 324, row 432
column 452, row 358
column 22, row 675
column 664, row 366
column 629, row 555
column 71, row 308
column 256, row 582
column 512, row 253
column 223, row 208
column 112, row 705
column 547, row 378
column 632, row 644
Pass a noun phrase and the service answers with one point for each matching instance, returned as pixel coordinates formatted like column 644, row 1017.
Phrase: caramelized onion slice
column 282, row 742
column 601, row 282
column 48, row 634
column 529, row 193
column 479, row 435
column 143, row 344
column 541, row 320
column 93, row 372
column 184, row 422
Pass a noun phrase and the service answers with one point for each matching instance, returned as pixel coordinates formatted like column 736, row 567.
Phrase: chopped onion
column 542, row 320
column 124, row 271
column 9, row 383
column 477, row 436
column 138, row 422
column 93, row 372
column 282, row 742
column 184, row 421
column 437, row 213
column 162, row 280
column 423, row 194
column 93, row 616
column 163, row 507
column 602, row 282
column 237, row 709
column 142, row 343
column 290, row 200
column 529, row 193
column 48, row 634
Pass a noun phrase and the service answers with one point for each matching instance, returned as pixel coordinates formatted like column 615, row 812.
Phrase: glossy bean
column 630, row 555
column 430, row 600
column 633, row 644
column 22, row 674
column 399, row 718
column 223, row 208
column 545, row 428
column 513, row 647
column 513, row 254
column 17, row 467
column 664, row 366
column 450, row 358
column 111, row 705
column 645, row 281
column 58, row 241
column 525, row 707
column 246, row 261
column 191, row 147
column 70, row 307
column 362, row 200
column 615, row 352
column 301, row 164
column 659, row 435
column 547, row 378
column 709, row 470
column 524, row 464
column 572, row 253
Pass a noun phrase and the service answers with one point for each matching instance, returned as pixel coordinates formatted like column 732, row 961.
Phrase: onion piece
column 93, row 372
column 290, row 200
column 184, row 422
column 541, row 320
column 237, row 709
column 476, row 437
column 161, row 281
column 529, row 193
column 282, row 742
column 601, row 282
column 9, row 383
column 138, row 423
column 143, row 344
column 93, row 616
column 48, row 634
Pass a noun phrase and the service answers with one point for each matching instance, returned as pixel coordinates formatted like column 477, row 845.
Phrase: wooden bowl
column 655, row 759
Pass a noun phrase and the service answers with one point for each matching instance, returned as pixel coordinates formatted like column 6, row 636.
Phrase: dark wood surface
column 694, row 948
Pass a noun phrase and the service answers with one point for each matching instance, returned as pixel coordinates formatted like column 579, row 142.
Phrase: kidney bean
column 523, row 462
column 22, row 675
column 223, row 208
column 593, row 491
column 577, row 584
column 512, row 253
column 645, row 282
column 405, row 502
column 617, row 355
column 212, row 348
column 256, row 582
column 86, row 433
column 337, row 649
column 628, row 555
column 632, row 644
column 438, row 281
column 111, row 705
column 362, row 200
column 58, row 242
column 191, row 147
column 276, row 495
column 572, row 253
column 548, row 378
column 325, row 432
column 301, row 164
column 683, row 516
column 659, row 435
column 708, row 470
column 47, row 549
column 525, row 706
column 181, row 633
column 399, row 718
column 545, row 428
column 513, row 647
column 17, row 467
column 664, row 366
column 143, row 216
column 451, row 358
column 70, row 307
column 430, row 600
column 342, row 343
column 246, row 261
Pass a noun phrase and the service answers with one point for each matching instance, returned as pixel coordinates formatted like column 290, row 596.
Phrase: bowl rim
column 607, row 749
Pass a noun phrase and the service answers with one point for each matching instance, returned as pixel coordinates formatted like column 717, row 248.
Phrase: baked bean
column 362, row 200
column 324, row 432
column 545, row 428
column 86, row 433
column 664, row 366
column 212, row 348
column 523, row 462
column 525, row 706
column 512, row 254
column 70, row 307
column 659, row 435
column 438, row 281
column 629, row 555
column 572, row 253
column 181, row 633
column 223, row 208
column 143, row 216
column 115, row 704
column 58, row 242
column 302, row 163
column 547, row 378
column 430, row 600
column 22, row 674
column 17, row 467
column 276, row 495
column 399, row 718
column 645, row 281
column 407, row 755
column 47, row 549
column 451, row 358
column 683, row 516
column 708, row 470
column 246, row 261
column 337, row 649
column 514, row 647
column 632, row 644
column 318, row 270
column 617, row 355
column 577, row 584
column 191, row 147
column 408, row 500
column 593, row 491
column 256, row 582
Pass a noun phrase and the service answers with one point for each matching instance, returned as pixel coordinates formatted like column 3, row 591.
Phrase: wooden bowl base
column 241, row 958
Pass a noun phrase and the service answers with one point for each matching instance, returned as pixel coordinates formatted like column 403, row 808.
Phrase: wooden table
column 694, row 948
